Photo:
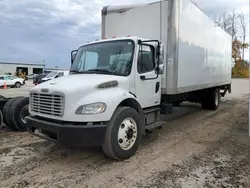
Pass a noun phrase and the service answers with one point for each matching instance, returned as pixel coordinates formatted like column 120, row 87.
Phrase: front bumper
column 67, row 134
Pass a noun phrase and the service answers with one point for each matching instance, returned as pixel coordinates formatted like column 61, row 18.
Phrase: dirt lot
column 200, row 149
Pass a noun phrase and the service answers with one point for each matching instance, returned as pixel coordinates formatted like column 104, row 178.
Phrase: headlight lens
column 88, row 109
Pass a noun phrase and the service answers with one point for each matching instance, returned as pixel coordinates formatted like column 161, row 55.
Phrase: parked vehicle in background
column 54, row 74
column 31, row 76
column 38, row 77
column 162, row 54
column 11, row 81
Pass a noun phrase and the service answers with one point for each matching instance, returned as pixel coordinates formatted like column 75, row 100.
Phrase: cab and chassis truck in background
column 119, row 86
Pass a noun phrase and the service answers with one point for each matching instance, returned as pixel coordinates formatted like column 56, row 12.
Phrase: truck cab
column 112, row 84
column 134, row 61
column 119, row 87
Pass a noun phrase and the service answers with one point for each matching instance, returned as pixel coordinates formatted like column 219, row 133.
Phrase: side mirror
column 161, row 69
column 161, row 54
column 73, row 55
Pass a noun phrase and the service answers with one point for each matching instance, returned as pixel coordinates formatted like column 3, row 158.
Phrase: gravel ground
column 196, row 148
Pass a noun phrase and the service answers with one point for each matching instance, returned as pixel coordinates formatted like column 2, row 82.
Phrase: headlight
column 88, row 109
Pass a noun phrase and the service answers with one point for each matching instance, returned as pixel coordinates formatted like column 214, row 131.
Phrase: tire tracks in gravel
column 225, row 163
column 175, row 143
column 56, row 167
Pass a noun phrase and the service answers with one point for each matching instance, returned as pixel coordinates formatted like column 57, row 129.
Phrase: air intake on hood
column 109, row 84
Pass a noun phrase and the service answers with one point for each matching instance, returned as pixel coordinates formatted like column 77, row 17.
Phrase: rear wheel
column 211, row 99
column 123, row 134
column 177, row 103
column 5, row 110
column 17, row 113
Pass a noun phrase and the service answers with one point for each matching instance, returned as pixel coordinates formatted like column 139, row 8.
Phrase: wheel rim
column 127, row 133
column 216, row 98
column 17, row 85
column 24, row 113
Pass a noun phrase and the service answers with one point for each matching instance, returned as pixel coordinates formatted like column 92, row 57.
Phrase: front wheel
column 18, row 85
column 123, row 134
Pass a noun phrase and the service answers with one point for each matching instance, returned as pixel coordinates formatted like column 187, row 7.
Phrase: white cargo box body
column 197, row 52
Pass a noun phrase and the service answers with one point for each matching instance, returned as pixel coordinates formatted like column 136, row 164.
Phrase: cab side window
column 146, row 61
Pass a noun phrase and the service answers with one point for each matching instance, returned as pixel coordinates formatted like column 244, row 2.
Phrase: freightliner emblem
column 44, row 90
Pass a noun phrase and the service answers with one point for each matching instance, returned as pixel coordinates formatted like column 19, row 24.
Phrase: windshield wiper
column 102, row 70
column 77, row 71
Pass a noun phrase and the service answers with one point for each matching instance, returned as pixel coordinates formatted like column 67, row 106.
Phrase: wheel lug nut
column 120, row 140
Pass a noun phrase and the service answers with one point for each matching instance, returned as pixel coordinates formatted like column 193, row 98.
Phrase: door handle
column 143, row 77
column 157, row 87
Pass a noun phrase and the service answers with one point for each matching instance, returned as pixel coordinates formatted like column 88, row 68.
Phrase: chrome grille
column 48, row 104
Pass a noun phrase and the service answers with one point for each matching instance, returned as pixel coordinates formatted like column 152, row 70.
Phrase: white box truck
column 151, row 57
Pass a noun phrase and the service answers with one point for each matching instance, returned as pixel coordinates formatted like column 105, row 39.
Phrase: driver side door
column 148, row 85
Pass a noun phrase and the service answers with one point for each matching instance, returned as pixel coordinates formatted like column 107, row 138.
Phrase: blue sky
column 47, row 30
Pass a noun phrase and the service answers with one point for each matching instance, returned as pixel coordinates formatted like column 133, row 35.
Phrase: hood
column 71, row 83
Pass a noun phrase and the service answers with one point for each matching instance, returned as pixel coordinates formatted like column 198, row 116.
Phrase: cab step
column 155, row 125
column 151, row 110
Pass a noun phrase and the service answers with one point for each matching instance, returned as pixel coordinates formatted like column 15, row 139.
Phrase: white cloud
column 36, row 30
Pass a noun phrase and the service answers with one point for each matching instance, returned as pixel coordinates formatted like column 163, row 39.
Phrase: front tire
column 123, row 134
column 18, row 85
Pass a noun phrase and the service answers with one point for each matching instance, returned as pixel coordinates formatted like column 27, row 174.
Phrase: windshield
column 51, row 74
column 113, row 57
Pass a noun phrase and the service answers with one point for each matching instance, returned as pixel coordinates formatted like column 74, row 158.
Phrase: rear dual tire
column 14, row 112
column 1, row 119
column 123, row 134
column 211, row 99
column 5, row 112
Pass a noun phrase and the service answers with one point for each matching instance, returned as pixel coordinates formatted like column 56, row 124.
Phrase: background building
column 49, row 69
column 26, row 68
